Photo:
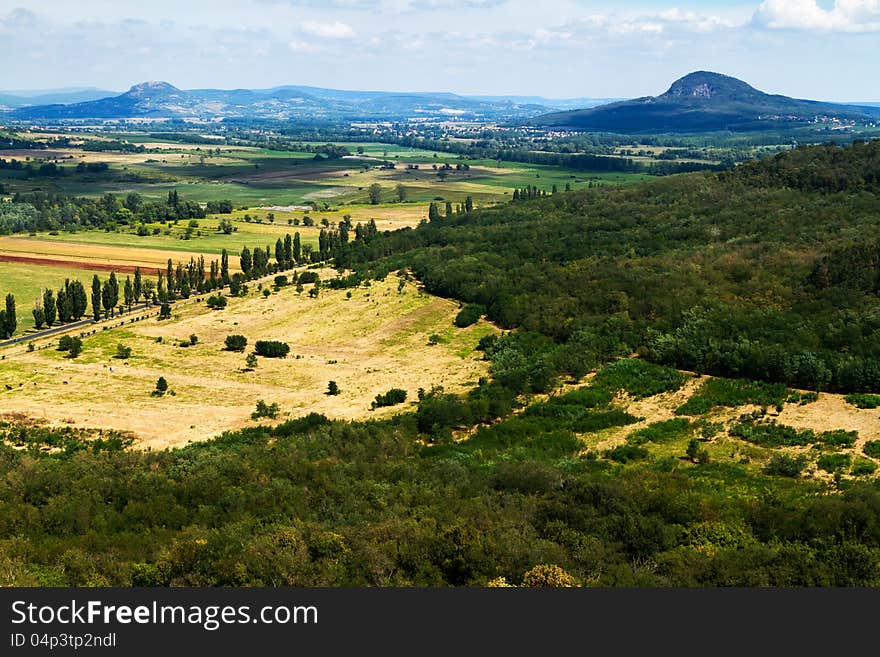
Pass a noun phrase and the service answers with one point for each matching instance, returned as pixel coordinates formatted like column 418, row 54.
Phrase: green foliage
column 834, row 462
column 71, row 344
column 265, row 410
column 661, row 432
column 863, row 467
column 391, row 398
column 333, row 388
column 638, row 378
column 860, row 400
column 235, row 342
column 872, row 448
column 271, row 348
column 161, row 386
column 216, row 302
column 469, row 315
column 732, row 393
column 626, row 453
column 786, row 465
column 122, row 351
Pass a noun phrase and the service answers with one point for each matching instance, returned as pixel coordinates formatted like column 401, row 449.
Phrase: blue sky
column 559, row 48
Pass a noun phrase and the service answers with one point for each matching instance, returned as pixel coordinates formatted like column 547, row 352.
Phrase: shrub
column 391, row 398
column 72, row 345
column 468, row 315
column 872, row 448
column 216, row 302
column 639, row 378
column 122, row 351
column 771, row 434
column 862, row 467
column 434, row 338
column 785, row 465
column 165, row 311
column 626, row 453
column 308, row 277
column 839, row 438
column 265, row 410
column 834, row 462
column 193, row 339
column 863, row 400
column 251, row 361
column 161, row 386
column 733, row 393
column 271, row 348
column 281, row 281
column 696, row 405
column 332, row 388
column 695, row 453
column 235, row 342
column 548, row 575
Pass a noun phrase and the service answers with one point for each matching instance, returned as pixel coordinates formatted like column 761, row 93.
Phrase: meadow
column 369, row 342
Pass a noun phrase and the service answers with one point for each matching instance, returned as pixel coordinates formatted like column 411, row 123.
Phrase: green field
column 257, row 176
column 26, row 282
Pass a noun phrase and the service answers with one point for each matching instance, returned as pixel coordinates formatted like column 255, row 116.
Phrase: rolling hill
column 704, row 102
column 163, row 100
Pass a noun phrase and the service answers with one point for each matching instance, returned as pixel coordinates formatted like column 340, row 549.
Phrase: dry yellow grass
column 374, row 341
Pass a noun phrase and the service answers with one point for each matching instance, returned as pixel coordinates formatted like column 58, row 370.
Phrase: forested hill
column 721, row 273
column 704, row 102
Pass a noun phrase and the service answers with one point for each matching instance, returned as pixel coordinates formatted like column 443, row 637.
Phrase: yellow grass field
column 369, row 343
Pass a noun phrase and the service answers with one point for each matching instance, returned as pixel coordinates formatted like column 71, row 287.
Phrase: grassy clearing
column 369, row 343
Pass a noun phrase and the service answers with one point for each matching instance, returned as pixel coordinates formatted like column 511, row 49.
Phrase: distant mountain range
column 163, row 100
column 16, row 99
column 704, row 102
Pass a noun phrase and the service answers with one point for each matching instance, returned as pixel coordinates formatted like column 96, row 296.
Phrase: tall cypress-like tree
column 63, row 305
column 128, row 293
column 224, row 267
column 297, row 247
column 10, row 321
column 78, row 301
column 288, row 249
column 138, row 285
column 49, row 307
column 96, row 297
column 246, row 261
column 279, row 253
column 114, row 292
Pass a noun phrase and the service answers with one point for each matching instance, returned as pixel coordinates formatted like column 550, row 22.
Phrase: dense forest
column 313, row 502
column 767, row 272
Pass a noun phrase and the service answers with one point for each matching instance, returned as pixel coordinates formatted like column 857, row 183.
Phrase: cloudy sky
column 560, row 48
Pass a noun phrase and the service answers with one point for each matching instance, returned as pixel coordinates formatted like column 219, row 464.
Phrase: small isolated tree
column 375, row 192
column 161, row 387
column 193, row 339
column 251, row 361
column 332, row 388
column 165, row 311
column 75, row 348
column 391, row 398
column 122, row 351
column 236, row 343
column 265, row 410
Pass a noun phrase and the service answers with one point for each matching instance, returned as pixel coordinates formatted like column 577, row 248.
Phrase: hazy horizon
column 557, row 49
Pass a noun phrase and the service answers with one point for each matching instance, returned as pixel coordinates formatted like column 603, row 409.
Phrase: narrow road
column 36, row 335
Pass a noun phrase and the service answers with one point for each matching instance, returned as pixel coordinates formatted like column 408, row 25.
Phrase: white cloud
column 844, row 16
column 334, row 30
